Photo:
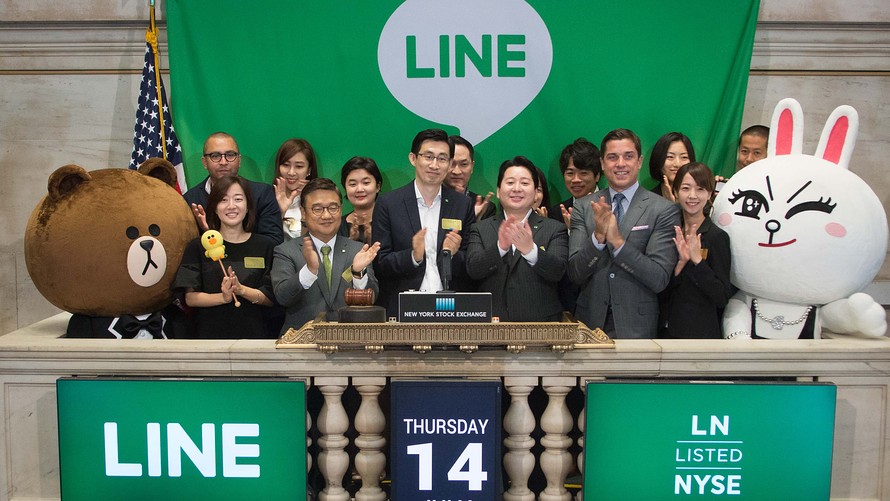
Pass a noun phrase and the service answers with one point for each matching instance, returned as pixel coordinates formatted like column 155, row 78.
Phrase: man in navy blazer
column 621, row 250
column 222, row 158
column 417, row 222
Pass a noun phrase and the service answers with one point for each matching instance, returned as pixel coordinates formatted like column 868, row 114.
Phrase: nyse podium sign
column 709, row 441
column 163, row 439
column 446, row 440
column 468, row 307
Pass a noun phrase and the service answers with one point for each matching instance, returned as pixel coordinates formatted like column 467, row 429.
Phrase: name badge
column 347, row 274
column 452, row 224
column 258, row 263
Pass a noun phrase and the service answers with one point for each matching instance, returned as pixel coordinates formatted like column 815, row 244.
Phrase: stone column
column 333, row 460
column 370, row 423
column 556, row 422
column 582, row 416
column 308, row 442
column 519, row 423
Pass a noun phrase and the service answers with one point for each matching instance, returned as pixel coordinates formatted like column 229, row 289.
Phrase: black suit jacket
column 268, row 214
column 555, row 213
column 489, row 209
column 694, row 300
column 395, row 222
column 520, row 292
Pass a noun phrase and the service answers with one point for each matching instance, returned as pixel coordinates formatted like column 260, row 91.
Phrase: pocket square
column 641, row 227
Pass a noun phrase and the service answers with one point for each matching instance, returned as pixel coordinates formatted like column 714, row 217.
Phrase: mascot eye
column 132, row 233
column 154, row 230
column 821, row 206
column 752, row 203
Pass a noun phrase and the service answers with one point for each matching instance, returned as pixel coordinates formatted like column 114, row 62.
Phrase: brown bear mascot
column 106, row 245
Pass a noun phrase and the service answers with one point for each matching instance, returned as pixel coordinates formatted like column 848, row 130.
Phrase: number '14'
column 470, row 458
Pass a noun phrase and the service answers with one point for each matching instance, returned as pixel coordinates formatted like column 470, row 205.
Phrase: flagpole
column 151, row 37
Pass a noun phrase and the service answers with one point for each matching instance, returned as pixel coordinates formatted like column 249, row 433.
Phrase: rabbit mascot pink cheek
column 806, row 236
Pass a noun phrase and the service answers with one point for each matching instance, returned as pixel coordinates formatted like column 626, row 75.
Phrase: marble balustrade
column 347, row 441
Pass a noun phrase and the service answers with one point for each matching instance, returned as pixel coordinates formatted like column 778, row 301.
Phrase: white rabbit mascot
column 806, row 236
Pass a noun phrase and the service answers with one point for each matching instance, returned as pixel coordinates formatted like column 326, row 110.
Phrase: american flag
column 147, row 132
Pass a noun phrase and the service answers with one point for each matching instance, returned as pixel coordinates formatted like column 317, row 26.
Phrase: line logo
column 474, row 65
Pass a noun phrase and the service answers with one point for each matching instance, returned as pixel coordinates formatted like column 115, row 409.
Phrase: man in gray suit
column 311, row 274
column 621, row 249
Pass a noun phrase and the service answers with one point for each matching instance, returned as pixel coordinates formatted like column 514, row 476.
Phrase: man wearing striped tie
column 311, row 274
column 621, row 251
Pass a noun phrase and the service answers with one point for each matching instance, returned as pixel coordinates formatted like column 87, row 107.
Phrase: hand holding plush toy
column 215, row 249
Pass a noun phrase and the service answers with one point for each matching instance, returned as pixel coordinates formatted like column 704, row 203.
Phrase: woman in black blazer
column 692, row 304
column 518, row 255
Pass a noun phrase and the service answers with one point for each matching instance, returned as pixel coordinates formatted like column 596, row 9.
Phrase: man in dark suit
column 621, row 250
column 311, row 274
column 458, row 178
column 417, row 222
column 222, row 158
column 518, row 255
column 581, row 170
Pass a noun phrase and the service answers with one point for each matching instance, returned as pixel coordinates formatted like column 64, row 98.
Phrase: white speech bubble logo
column 467, row 63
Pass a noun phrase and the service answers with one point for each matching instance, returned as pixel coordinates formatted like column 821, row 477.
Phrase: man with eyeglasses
column 458, row 177
column 621, row 249
column 311, row 274
column 222, row 158
column 418, row 222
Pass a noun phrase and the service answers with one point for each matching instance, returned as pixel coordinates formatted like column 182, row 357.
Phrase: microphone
column 446, row 271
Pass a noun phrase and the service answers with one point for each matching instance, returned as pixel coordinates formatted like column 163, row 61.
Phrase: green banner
column 513, row 77
column 164, row 439
column 671, row 441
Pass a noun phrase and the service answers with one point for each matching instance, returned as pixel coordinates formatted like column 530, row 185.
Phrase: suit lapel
column 410, row 201
column 321, row 281
column 591, row 221
column 534, row 222
column 339, row 264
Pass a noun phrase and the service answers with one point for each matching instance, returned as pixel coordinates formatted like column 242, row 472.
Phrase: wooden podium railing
column 31, row 359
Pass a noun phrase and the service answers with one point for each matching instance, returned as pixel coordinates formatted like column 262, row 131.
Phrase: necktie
column 617, row 199
column 326, row 261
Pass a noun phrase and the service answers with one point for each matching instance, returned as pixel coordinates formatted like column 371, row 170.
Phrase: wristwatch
column 359, row 274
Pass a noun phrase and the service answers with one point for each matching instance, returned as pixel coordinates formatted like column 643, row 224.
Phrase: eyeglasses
column 318, row 210
column 217, row 156
column 430, row 158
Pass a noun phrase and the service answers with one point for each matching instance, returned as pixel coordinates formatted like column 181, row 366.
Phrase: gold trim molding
column 515, row 337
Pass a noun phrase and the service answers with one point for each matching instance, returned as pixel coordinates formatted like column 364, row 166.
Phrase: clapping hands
column 515, row 233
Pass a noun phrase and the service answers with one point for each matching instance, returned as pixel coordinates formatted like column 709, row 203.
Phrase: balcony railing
column 542, row 428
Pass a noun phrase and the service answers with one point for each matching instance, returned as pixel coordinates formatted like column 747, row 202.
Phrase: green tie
column 326, row 260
